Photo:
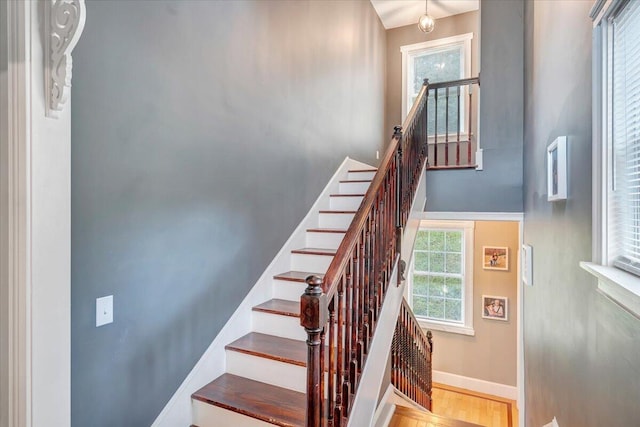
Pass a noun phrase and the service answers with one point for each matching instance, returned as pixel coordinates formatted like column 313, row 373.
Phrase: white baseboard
column 474, row 216
column 212, row 364
column 474, row 384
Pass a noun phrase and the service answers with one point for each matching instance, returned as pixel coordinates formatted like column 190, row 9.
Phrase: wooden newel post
column 314, row 314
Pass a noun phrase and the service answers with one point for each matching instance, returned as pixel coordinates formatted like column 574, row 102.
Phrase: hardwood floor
column 478, row 408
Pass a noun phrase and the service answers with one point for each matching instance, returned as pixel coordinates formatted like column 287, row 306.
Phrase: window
column 440, row 61
column 616, row 160
column 440, row 277
column 625, row 83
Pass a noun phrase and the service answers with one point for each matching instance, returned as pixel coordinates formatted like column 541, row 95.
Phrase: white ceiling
column 397, row 13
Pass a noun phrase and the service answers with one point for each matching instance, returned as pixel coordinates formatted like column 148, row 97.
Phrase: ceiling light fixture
column 426, row 22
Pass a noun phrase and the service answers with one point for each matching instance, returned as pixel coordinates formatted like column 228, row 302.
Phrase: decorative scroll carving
column 64, row 22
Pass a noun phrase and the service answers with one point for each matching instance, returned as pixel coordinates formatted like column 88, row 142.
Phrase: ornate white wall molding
column 64, row 22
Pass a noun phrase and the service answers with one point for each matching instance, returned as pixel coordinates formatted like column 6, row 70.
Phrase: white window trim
column 410, row 49
column 465, row 328
column 621, row 287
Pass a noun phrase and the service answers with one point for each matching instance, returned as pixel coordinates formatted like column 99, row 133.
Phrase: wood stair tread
column 271, row 347
column 363, row 170
column 258, row 400
column 280, row 306
column 354, row 180
column 347, row 195
column 337, row 212
column 326, row 230
column 296, row 276
column 315, row 251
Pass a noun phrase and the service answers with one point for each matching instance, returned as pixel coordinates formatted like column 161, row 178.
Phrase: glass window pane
column 436, row 286
column 453, row 241
column 420, row 285
column 454, row 287
column 422, row 240
column 436, row 308
column 436, row 240
column 421, row 261
column 438, row 66
column 420, row 306
column 436, row 262
column 454, row 263
column 453, row 310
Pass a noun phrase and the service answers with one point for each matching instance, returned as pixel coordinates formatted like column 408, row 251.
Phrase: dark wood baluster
column 458, row 124
column 435, row 129
column 332, row 362
column 469, row 130
column 446, row 129
column 339, row 362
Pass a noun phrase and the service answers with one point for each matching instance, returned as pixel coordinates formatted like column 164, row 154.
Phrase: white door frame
column 35, row 213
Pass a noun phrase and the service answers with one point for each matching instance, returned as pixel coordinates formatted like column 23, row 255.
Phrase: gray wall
column 582, row 353
column 410, row 34
column 202, row 133
column 498, row 188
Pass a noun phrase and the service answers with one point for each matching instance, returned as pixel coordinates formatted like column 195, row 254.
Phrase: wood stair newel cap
column 313, row 305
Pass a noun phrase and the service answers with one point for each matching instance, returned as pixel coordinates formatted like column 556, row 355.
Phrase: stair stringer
column 372, row 383
column 212, row 363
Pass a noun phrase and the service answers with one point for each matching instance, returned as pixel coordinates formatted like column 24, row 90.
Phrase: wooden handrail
column 348, row 242
column 340, row 311
column 452, row 83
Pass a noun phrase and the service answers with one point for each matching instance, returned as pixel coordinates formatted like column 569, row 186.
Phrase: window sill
column 454, row 329
column 621, row 287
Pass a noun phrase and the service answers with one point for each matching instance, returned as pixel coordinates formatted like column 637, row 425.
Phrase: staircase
column 266, row 377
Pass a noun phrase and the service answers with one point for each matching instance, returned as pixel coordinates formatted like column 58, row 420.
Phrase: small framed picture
column 496, row 308
column 557, row 169
column 495, row 258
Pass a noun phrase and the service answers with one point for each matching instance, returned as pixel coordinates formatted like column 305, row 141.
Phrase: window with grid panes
column 438, row 275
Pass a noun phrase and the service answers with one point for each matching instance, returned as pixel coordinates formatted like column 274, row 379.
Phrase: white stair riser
column 360, row 175
column 285, row 289
column 353, row 187
column 286, row 375
column 333, row 220
column 324, row 240
column 207, row 415
column 280, row 326
column 345, row 203
column 306, row 262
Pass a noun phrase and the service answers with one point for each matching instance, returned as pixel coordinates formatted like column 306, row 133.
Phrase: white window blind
column 625, row 209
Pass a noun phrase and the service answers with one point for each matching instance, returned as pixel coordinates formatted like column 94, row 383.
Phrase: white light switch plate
column 104, row 310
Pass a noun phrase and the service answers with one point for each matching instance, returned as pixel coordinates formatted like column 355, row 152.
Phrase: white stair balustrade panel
column 278, row 325
column 281, row 374
column 345, row 202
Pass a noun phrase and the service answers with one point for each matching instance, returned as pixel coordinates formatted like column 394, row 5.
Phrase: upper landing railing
column 340, row 312
column 452, row 117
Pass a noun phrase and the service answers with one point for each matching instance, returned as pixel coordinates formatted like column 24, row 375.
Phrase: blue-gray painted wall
column 498, row 187
column 202, row 133
column 582, row 351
